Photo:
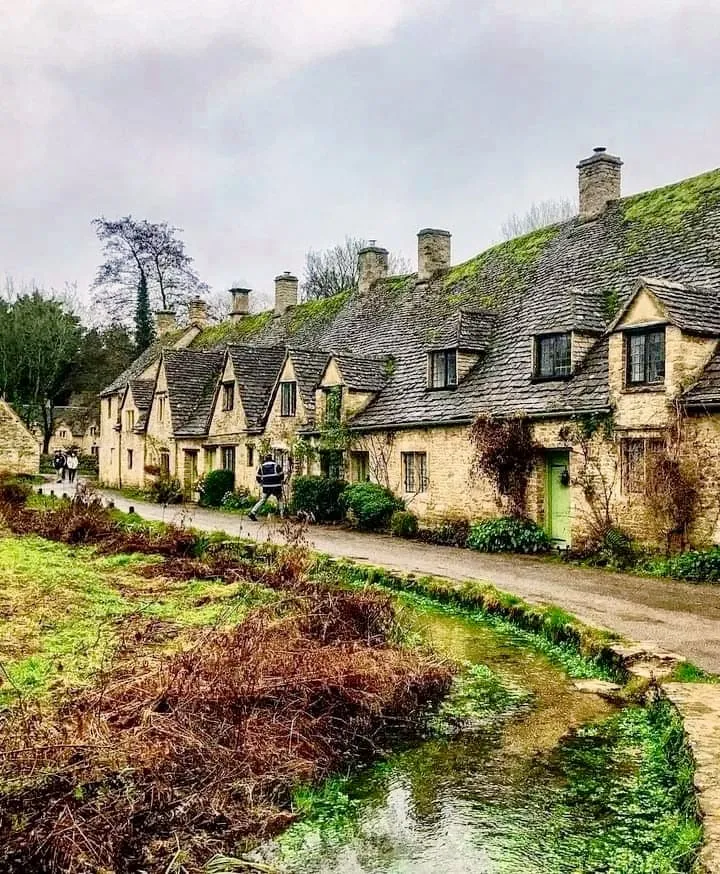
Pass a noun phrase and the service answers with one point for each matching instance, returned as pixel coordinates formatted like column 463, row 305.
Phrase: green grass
column 64, row 609
column 687, row 672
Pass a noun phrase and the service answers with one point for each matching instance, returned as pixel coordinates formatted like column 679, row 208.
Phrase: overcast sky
column 264, row 128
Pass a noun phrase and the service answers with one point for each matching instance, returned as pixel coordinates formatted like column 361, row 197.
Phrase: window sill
column 288, row 415
column 640, row 388
column 441, row 387
column 564, row 378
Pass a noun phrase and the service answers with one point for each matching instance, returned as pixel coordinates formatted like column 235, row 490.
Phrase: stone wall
column 19, row 450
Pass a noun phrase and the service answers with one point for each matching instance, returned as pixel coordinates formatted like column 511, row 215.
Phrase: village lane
column 681, row 617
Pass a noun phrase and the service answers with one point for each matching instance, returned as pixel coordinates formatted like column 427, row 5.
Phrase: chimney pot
column 240, row 303
column 165, row 322
column 286, row 292
column 599, row 180
column 433, row 252
column 372, row 265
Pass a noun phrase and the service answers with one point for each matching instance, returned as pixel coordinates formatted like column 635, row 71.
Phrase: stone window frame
column 250, row 454
column 561, row 367
column 332, row 413
column 415, row 472
column 227, row 458
column 129, row 420
column 209, row 456
column 129, row 459
column 645, row 332
column 162, row 403
column 359, row 466
column 288, row 399
column 442, row 369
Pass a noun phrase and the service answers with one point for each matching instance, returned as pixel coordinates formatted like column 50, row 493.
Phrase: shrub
column 318, row 497
column 369, row 506
column 46, row 463
column 214, row 486
column 697, row 566
column 449, row 532
column 240, row 499
column 404, row 524
column 508, row 534
column 88, row 465
column 14, row 490
column 165, row 491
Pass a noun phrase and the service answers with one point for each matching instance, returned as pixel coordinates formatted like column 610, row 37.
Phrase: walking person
column 271, row 477
column 72, row 465
column 59, row 465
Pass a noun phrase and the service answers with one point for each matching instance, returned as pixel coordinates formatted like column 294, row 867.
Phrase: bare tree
column 333, row 270
column 540, row 215
column 138, row 254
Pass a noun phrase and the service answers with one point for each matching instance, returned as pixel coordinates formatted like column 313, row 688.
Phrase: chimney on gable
column 198, row 312
column 286, row 292
column 165, row 322
column 433, row 252
column 372, row 265
column 240, row 303
column 598, row 182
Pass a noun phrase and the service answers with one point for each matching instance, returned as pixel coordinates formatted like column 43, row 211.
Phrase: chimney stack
column 598, row 182
column 433, row 252
column 198, row 312
column 286, row 292
column 372, row 265
column 240, row 306
column 164, row 322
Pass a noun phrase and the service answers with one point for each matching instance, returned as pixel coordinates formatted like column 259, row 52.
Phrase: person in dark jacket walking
column 59, row 463
column 271, row 477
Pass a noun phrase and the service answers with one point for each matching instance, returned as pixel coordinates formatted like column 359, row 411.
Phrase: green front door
column 557, row 502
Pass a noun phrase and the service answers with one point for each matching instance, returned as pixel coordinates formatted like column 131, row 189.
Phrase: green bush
column 696, row 566
column 165, row 491
column 240, row 499
column 369, row 506
column 508, row 534
column 214, row 486
column 14, row 489
column 404, row 524
column 46, row 464
column 88, row 465
column 318, row 497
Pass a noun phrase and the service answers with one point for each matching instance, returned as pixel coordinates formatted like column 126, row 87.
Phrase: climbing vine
column 504, row 450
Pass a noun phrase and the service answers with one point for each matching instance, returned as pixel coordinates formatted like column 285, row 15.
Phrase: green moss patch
column 248, row 328
column 672, row 205
column 315, row 314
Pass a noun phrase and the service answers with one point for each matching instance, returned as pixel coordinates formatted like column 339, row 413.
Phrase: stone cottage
column 599, row 334
column 19, row 450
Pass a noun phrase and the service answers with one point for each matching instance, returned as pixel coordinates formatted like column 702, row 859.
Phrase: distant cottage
column 600, row 334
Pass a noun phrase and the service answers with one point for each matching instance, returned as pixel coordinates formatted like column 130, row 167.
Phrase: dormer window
column 443, row 369
column 553, row 356
column 645, row 356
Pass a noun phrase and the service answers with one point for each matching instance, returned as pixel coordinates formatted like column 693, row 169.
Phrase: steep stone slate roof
column 142, row 392
column 689, row 307
column 78, row 419
column 143, row 361
column 706, row 391
column 309, row 368
column 362, row 373
column 191, row 380
column 572, row 276
column 256, row 371
column 468, row 330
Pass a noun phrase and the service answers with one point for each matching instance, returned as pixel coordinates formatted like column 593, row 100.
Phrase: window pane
column 438, row 370
column 562, row 355
column 637, row 357
column 655, row 353
column 451, row 368
column 546, row 356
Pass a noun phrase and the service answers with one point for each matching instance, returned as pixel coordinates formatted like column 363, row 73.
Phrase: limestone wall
column 19, row 450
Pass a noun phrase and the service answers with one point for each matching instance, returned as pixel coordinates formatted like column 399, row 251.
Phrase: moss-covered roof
column 570, row 276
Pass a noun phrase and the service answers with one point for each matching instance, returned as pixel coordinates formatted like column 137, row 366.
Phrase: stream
column 521, row 793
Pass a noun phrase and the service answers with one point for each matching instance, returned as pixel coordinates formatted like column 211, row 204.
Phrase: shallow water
column 484, row 801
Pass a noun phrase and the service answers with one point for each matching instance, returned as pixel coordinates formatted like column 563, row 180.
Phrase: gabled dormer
column 659, row 344
column 348, row 384
column 457, row 347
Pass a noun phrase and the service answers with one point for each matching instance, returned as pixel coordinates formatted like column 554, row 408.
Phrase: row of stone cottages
column 612, row 317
